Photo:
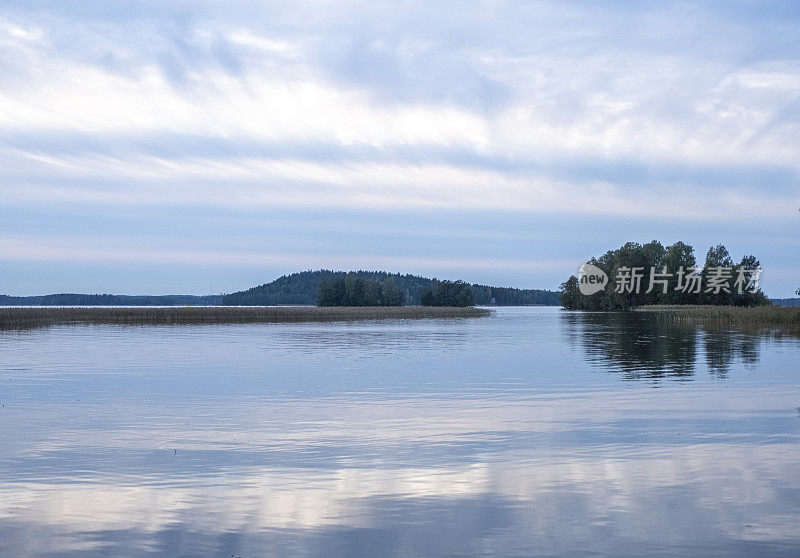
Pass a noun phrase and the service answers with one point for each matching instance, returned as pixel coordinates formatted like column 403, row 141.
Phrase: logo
column 591, row 279
column 716, row 279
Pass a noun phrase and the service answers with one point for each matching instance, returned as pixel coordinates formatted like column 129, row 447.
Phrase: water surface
column 532, row 432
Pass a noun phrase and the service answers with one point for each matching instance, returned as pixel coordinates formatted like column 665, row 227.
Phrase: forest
column 303, row 287
column 667, row 275
column 448, row 293
column 299, row 288
column 351, row 290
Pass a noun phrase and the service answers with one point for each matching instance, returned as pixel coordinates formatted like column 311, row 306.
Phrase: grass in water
column 27, row 317
column 778, row 318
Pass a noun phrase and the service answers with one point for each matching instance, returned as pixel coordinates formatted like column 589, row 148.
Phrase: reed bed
column 27, row 317
column 777, row 318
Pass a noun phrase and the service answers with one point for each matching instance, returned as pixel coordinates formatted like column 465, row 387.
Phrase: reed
column 27, row 317
column 778, row 318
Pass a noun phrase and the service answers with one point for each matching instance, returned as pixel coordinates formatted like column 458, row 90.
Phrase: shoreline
column 21, row 317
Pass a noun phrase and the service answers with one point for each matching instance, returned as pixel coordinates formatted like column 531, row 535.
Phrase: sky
column 152, row 147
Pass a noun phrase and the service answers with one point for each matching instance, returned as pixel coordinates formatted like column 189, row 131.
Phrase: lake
column 532, row 432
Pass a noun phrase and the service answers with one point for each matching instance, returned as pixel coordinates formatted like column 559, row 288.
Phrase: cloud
column 107, row 250
column 611, row 110
column 248, row 182
column 384, row 78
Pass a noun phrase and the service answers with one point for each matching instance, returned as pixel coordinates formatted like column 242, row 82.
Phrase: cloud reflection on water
column 493, row 437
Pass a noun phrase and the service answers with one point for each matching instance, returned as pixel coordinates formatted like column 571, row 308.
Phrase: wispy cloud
column 248, row 182
column 607, row 110
column 73, row 249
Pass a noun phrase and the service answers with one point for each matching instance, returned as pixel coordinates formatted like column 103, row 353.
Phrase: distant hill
column 297, row 288
column 71, row 299
column 301, row 288
column 786, row 301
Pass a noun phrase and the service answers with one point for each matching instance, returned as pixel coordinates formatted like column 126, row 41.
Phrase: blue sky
column 201, row 147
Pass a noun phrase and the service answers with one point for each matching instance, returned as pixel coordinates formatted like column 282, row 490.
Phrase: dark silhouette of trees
column 666, row 275
column 679, row 256
column 298, row 288
column 391, row 295
column 351, row 290
column 448, row 293
column 507, row 296
column 571, row 297
column 303, row 287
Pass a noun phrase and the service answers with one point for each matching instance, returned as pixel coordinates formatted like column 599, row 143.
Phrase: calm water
column 533, row 432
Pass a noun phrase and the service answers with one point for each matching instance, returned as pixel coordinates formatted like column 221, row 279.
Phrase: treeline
column 350, row 290
column 786, row 301
column 295, row 289
column 508, row 296
column 303, row 288
column 448, row 293
column 651, row 273
column 73, row 299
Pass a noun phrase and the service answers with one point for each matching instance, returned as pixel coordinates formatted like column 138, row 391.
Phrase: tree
column 351, row 290
column 391, row 295
column 748, row 265
column 718, row 256
column 571, row 297
column 680, row 258
column 304, row 288
column 448, row 293
column 637, row 263
column 719, row 265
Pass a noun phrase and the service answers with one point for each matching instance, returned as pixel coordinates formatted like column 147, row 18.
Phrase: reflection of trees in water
column 641, row 346
column 723, row 348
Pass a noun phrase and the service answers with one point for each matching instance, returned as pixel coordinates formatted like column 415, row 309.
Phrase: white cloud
column 519, row 107
column 585, row 99
column 244, row 37
column 255, row 182
column 117, row 249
